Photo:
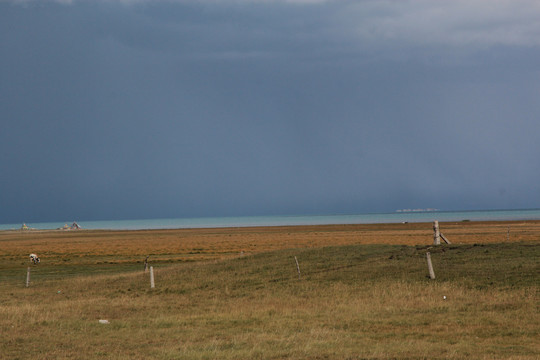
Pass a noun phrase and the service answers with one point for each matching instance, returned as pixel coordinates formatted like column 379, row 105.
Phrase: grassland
column 363, row 293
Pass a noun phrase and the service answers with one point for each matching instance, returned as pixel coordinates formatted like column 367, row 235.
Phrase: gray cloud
column 165, row 109
column 458, row 22
column 454, row 23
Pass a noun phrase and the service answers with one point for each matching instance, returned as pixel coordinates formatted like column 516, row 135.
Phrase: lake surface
column 246, row 221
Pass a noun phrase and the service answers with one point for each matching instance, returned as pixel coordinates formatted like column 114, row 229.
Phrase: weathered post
column 297, row 267
column 445, row 239
column 152, row 284
column 146, row 264
column 437, row 233
column 508, row 235
column 27, row 276
column 430, row 266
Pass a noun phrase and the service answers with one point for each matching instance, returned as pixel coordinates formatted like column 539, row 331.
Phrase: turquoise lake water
column 246, row 221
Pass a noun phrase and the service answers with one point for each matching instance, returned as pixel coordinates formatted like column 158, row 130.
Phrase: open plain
column 362, row 292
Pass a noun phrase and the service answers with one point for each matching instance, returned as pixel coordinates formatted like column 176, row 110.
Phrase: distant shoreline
column 292, row 220
column 280, row 228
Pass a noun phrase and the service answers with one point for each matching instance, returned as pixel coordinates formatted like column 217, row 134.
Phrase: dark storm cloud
column 198, row 108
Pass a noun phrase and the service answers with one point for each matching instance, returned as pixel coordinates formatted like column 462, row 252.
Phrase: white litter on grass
column 104, row 322
column 444, row 297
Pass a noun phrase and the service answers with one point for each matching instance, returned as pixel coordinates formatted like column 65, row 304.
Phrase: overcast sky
column 152, row 109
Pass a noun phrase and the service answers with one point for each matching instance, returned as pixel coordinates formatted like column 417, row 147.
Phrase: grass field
column 363, row 293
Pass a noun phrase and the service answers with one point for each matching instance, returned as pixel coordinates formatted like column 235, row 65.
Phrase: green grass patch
column 350, row 302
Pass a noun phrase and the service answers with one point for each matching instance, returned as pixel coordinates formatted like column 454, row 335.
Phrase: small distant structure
column 75, row 226
column 24, row 227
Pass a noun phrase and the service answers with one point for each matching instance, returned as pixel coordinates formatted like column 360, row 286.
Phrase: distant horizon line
column 398, row 211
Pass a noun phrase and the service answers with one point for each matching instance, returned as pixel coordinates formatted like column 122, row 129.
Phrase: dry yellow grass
column 354, row 300
column 204, row 244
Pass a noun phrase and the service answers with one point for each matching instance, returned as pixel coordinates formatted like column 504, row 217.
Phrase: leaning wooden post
column 28, row 277
column 437, row 233
column 297, row 267
column 152, row 284
column 445, row 239
column 430, row 266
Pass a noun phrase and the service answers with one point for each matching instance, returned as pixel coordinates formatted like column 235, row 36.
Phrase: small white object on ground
column 104, row 321
column 444, row 297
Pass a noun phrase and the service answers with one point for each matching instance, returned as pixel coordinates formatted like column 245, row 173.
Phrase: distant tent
column 75, row 226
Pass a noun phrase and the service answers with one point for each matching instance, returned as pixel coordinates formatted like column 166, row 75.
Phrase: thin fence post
column 152, row 284
column 27, row 276
column 508, row 235
column 430, row 266
column 146, row 264
column 297, row 267
column 445, row 239
column 437, row 233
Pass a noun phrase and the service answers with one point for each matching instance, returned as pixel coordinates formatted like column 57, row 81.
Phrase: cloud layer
column 460, row 22
column 422, row 22
column 200, row 108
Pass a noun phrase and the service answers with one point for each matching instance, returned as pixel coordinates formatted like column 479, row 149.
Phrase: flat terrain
column 235, row 293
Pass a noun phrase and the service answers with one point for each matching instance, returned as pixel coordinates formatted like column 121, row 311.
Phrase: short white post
column 437, row 233
column 430, row 266
column 297, row 267
column 28, row 277
column 152, row 285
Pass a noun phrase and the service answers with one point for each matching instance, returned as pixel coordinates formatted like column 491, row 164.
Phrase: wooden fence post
column 146, row 264
column 152, row 284
column 27, row 276
column 437, row 233
column 297, row 267
column 445, row 239
column 430, row 266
